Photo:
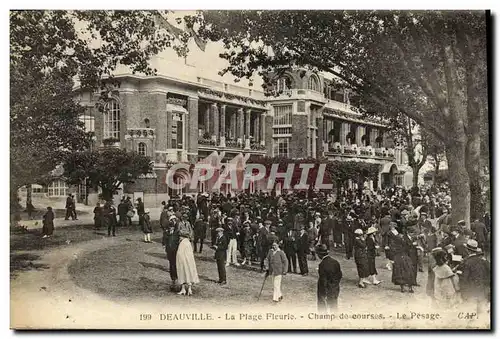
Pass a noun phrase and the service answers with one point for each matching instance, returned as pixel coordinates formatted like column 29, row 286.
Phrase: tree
column 436, row 152
column 107, row 168
column 428, row 66
column 414, row 143
column 49, row 50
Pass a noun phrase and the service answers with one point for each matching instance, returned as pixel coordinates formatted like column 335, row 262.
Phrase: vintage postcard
column 250, row 169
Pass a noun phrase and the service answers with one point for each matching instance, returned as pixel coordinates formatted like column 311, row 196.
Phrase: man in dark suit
column 302, row 251
column 290, row 249
column 329, row 278
column 220, row 248
column 200, row 230
column 474, row 277
column 480, row 233
column 172, row 239
column 69, row 207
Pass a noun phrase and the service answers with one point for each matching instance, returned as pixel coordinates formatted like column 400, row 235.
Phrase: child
column 445, row 282
column 146, row 226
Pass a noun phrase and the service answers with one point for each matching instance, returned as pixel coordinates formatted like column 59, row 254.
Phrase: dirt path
column 50, row 298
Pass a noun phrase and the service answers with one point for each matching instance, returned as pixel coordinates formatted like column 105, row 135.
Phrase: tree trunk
column 436, row 167
column 459, row 181
column 415, row 176
column 29, row 191
column 473, row 169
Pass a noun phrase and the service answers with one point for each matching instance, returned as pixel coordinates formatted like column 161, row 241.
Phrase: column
column 232, row 124
column 263, row 128
column 240, row 125
column 256, row 125
column 223, row 125
column 359, row 134
column 192, row 127
column 207, row 120
column 248, row 111
column 344, row 130
column 313, row 136
column 215, row 120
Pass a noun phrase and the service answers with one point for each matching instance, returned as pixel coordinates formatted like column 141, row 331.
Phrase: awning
column 388, row 167
column 176, row 108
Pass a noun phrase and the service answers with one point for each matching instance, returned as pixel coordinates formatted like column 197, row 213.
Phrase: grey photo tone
column 250, row 169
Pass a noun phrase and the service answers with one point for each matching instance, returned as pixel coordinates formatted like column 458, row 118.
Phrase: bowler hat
column 321, row 249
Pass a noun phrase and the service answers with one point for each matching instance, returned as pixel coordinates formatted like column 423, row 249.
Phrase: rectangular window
column 57, row 188
column 282, row 115
column 282, row 130
column 281, row 147
column 89, row 122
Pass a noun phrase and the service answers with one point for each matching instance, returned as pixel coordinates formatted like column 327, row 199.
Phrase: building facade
column 177, row 120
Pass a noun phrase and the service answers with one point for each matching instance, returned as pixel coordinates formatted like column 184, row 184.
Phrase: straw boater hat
column 358, row 231
column 436, row 249
column 146, row 210
column 371, row 230
column 219, row 229
column 461, row 222
column 172, row 217
column 349, row 218
column 472, row 245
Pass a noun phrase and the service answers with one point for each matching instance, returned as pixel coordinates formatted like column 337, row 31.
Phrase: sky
column 205, row 64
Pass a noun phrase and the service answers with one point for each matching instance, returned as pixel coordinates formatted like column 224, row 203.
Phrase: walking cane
column 262, row 288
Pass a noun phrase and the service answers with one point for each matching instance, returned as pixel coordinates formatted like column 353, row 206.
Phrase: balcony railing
column 361, row 151
column 224, row 143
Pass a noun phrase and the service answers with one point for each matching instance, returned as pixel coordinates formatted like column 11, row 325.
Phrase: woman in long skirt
column 403, row 272
column 371, row 251
column 48, row 223
column 445, row 283
column 360, row 258
column 187, row 275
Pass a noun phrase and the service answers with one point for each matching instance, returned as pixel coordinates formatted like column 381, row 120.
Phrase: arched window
column 313, row 83
column 142, row 148
column 112, row 120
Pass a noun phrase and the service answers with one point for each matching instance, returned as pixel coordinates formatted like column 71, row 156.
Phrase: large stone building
column 177, row 120
column 174, row 119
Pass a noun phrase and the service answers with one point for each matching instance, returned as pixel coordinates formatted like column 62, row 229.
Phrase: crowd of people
column 281, row 234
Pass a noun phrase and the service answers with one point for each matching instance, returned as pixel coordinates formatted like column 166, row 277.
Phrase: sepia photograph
column 250, row 169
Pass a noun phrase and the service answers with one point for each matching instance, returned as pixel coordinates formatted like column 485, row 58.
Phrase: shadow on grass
column 25, row 262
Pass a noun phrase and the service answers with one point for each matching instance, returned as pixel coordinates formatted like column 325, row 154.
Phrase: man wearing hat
column 278, row 265
column 480, row 233
column 302, row 251
column 140, row 211
column 371, row 252
column 349, row 236
column 200, row 231
column 329, row 276
column 262, row 245
column 172, row 239
column 232, row 233
column 459, row 241
column 474, row 277
column 220, row 248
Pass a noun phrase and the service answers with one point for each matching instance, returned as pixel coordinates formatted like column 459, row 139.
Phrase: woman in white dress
column 186, row 267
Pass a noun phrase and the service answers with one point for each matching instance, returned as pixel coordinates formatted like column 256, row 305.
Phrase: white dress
column 186, row 266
